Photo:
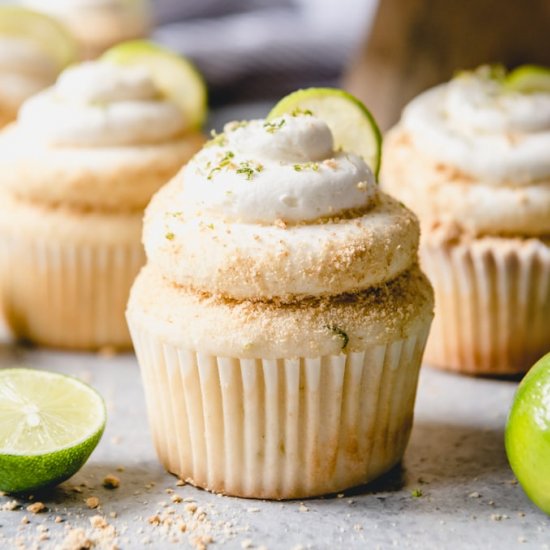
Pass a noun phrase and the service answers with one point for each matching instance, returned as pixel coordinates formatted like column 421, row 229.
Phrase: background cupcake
column 99, row 24
column 76, row 171
column 281, row 318
column 471, row 159
column 34, row 48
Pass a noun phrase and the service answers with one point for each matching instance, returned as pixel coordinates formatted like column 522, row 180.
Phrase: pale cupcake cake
column 76, row 171
column 472, row 159
column 281, row 318
column 34, row 48
column 99, row 24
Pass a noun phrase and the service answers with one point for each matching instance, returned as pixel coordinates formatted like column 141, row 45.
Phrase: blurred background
column 252, row 52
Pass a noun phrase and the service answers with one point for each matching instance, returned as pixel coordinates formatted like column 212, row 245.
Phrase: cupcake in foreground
column 76, row 171
column 281, row 318
column 33, row 50
column 99, row 24
column 472, row 159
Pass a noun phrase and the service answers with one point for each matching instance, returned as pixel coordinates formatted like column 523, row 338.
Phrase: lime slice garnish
column 352, row 125
column 47, row 32
column 176, row 77
column 528, row 434
column 529, row 79
column 49, row 425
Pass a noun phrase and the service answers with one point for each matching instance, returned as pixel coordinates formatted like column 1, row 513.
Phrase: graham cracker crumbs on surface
column 180, row 483
column 111, row 482
column 98, row 522
column 247, row 543
column 252, row 510
column 357, row 527
column 116, row 440
column 77, row 539
column 191, row 507
column 474, row 494
column 36, row 507
column 25, row 520
column 10, row 506
column 303, row 507
column 92, row 502
column 168, row 490
column 154, row 520
column 58, row 519
column 176, row 499
column 120, row 468
column 113, row 515
column 498, row 517
column 340, row 495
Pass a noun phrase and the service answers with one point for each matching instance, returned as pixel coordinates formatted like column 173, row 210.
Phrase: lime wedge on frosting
column 45, row 31
column 49, row 425
column 353, row 127
column 175, row 76
column 529, row 79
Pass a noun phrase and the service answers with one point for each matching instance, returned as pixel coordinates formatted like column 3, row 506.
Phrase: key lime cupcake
column 471, row 158
column 99, row 24
column 281, row 318
column 33, row 50
column 76, row 171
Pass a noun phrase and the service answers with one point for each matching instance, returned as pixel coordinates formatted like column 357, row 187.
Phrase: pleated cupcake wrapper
column 67, row 295
column 492, row 305
column 279, row 428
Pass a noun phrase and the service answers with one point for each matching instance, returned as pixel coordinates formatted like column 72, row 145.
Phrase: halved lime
column 528, row 434
column 529, row 79
column 47, row 32
column 49, row 425
column 353, row 127
column 176, row 77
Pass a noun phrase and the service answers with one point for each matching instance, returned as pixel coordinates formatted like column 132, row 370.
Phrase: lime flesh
column 352, row 125
column 45, row 31
column 528, row 434
column 529, row 79
column 175, row 76
column 49, row 426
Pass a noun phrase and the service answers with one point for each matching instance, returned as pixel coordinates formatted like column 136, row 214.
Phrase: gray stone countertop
column 453, row 490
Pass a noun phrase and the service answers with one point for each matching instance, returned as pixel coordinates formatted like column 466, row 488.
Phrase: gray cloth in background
column 262, row 49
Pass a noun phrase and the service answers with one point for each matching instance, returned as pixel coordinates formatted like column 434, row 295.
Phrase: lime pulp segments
column 47, row 32
column 529, row 79
column 353, row 126
column 49, row 426
column 175, row 76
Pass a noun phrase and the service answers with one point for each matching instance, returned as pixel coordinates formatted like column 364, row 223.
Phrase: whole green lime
column 528, row 434
column 49, row 425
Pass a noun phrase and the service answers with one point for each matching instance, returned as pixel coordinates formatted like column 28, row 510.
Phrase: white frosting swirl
column 25, row 69
column 285, row 169
column 101, row 104
column 474, row 124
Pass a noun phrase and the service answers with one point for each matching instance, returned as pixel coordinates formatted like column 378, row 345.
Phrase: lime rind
column 176, row 77
column 528, row 79
column 20, row 474
column 354, row 128
column 23, row 471
column 49, row 33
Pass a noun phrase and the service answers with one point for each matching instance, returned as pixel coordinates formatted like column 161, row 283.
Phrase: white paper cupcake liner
column 492, row 304
column 279, row 428
column 67, row 295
